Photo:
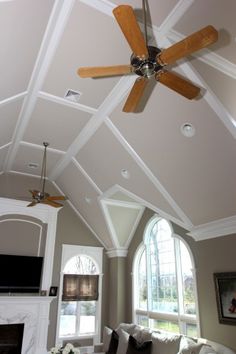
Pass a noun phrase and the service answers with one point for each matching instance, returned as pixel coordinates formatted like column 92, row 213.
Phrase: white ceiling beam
column 13, row 98
column 57, row 22
column 108, row 105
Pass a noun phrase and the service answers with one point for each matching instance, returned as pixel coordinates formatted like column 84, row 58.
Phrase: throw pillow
column 142, row 334
column 106, row 338
column 165, row 343
column 134, row 347
column 113, row 343
column 123, row 341
column 207, row 349
column 128, row 327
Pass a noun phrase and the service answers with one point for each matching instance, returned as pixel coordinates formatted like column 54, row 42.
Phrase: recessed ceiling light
column 125, row 173
column 33, row 165
column 88, row 200
column 188, row 130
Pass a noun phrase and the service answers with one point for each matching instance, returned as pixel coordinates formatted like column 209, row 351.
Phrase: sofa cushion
column 135, row 347
column 113, row 343
column 123, row 341
column 207, row 349
column 107, row 333
column 165, row 343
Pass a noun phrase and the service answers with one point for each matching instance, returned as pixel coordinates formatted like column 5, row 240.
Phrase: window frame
column 96, row 254
column 181, row 318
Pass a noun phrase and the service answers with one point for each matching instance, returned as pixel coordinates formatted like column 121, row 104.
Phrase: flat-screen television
column 20, row 274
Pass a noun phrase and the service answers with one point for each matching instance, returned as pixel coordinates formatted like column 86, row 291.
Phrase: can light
column 188, row 130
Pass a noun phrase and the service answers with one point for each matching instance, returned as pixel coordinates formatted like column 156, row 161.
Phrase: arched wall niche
column 40, row 221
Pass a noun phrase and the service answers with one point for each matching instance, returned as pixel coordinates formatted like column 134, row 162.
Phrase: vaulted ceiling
column 110, row 164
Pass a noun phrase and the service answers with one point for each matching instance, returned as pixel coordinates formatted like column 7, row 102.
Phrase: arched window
column 80, row 319
column 164, row 281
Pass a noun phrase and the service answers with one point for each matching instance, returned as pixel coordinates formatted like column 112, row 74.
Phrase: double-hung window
column 164, row 281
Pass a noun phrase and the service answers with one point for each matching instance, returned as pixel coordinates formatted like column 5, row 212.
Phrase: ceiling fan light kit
column 149, row 61
column 41, row 196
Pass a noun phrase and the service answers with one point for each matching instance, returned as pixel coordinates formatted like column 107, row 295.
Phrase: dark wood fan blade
column 126, row 19
column 178, row 84
column 189, row 45
column 135, row 95
column 52, row 203
column 59, row 197
column 100, row 71
column 33, row 203
column 34, row 192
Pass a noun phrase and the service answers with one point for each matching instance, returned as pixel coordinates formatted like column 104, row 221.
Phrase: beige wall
column 213, row 255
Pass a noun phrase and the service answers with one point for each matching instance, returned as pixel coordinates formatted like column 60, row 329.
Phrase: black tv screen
column 20, row 274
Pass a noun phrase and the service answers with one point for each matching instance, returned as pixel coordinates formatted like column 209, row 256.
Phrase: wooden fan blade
column 135, row 95
column 189, row 45
column 178, row 84
column 59, row 197
column 33, row 203
column 100, row 71
column 126, row 19
column 52, row 203
column 33, row 192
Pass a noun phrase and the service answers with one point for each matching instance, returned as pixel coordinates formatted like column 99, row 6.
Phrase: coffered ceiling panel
column 85, row 198
column 90, row 39
column 8, row 119
column 28, row 154
column 57, row 124
column 97, row 159
column 22, row 26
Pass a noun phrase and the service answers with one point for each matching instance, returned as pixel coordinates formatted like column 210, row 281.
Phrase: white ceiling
column 191, row 181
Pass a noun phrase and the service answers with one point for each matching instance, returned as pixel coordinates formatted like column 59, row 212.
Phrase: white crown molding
column 5, row 146
column 121, row 203
column 217, row 228
column 63, row 101
column 148, row 173
column 55, row 28
column 208, row 57
column 13, row 98
column 117, row 253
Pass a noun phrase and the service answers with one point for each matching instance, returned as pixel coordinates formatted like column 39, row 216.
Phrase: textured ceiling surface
column 110, row 164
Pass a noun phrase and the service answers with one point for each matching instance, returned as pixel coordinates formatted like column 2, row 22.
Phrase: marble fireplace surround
column 33, row 311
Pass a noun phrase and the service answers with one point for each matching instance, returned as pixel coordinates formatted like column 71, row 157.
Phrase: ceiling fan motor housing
column 147, row 67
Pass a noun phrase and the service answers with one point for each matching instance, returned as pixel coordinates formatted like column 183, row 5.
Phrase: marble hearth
column 33, row 311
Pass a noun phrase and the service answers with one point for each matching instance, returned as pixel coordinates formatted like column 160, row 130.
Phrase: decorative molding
column 53, row 33
column 122, row 252
column 79, row 215
column 175, row 15
column 13, row 98
column 148, row 172
column 47, row 215
column 109, row 223
column 110, row 102
column 208, row 57
column 76, row 163
column 40, row 147
column 214, row 229
column 5, row 146
column 103, row 6
column 63, row 101
column 140, row 214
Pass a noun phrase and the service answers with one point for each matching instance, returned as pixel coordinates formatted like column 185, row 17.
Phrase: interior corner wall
column 117, row 270
column 210, row 256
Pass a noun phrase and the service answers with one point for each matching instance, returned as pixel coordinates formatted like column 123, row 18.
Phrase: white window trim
column 155, row 315
column 96, row 253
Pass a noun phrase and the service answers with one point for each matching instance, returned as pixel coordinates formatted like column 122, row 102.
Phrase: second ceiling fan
column 149, row 61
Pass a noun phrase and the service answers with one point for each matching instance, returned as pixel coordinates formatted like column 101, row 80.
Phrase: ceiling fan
column 149, row 61
column 41, row 196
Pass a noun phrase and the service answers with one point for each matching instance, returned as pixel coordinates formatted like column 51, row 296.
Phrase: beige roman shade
column 80, row 287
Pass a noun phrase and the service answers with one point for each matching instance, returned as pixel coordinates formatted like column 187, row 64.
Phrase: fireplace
column 33, row 313
column 11, row 337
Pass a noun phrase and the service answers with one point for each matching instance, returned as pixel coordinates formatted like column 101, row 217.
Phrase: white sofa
column 118, row 341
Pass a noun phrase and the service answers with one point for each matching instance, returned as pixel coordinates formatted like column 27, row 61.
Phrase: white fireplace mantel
column 33, row 311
